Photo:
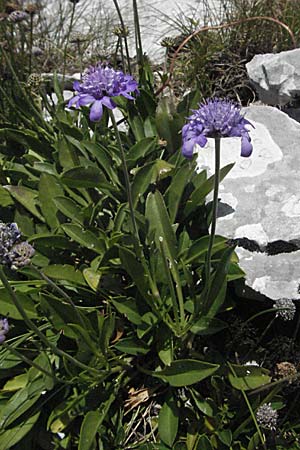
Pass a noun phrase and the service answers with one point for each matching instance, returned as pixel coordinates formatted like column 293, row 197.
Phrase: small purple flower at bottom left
column 4, row 329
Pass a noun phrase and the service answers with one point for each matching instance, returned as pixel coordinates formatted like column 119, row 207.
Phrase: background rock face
column 276, row 77
column 260, row 201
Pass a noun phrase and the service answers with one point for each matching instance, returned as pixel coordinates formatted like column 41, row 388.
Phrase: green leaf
column 8, row 309
column 198, row 196
column 27, row 197
column 198, row 249
column 69, row 208
column 9, row 438
column 169, row 127
column 60, row 314
column 208, row 326
column 27, row 138
column 225, row 437
column 248, row 377
column 176, row 189
column 168, row 421
column 64, row 272
column 135, row 269
column 49, row 187
column 217, row 291
column 83, row 177
column 85, row 238
column 15, row 383
column 103, row 157
column 18, row 404
column 185, row 372
column 5, row 198
column 49, row 240
column 92, row 277
column 203, row 443
column 142, row 148
column 128, row 307
column 159, row 224
column 206, row 406
column 132, row 346
column 89, row 428
column 165, row 345
column 91, row 424
column 150, row 173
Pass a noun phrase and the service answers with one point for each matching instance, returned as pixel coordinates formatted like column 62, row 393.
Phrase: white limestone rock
column 276, row 76
column 260, row 201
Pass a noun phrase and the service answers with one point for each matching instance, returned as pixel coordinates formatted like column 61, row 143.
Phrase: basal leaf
column 83, row 177
column 168, row 421
column 132, row 346
column 248, row 377
column 185, row 372
column 64, row 272
column 159, row 223
column 198, row 196
column 49, row 188
column 86, row 238
column 27, row 197
column 9, row 438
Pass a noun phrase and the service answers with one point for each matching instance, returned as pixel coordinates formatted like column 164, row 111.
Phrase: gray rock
column 276, row 77
column 260, row 201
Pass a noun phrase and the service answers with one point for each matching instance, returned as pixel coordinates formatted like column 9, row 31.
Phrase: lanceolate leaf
column 185, row 372
column 168, row 421
column 159, row 223
column 12, row 436
column 248, row 377
column 49, row 188
column 199, row 195
column 27, row 197
column 85, row 238
column 91, row 423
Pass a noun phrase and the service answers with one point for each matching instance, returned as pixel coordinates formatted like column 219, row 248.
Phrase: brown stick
column 220, row 27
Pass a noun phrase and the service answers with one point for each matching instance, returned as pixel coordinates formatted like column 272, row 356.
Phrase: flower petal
column 188, row 148
column 76, row 85
column 246, row 147
column 96, row 111
column 85, row 99
column 126, row 95
column 73, row 100
column 107, row 101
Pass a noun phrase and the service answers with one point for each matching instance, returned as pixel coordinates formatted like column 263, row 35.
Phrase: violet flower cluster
column 100, row 83
column 215, row 118
column 14, row 253
column 4, row 329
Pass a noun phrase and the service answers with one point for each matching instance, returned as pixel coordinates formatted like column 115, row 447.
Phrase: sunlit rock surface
column 276, row 77
column 260, row 201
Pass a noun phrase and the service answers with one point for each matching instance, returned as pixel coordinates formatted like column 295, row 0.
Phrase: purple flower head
column 9, row 235
column 215, row 118
column 20, row 255
column 4, row 329
column 100, row 83
column 14, row 253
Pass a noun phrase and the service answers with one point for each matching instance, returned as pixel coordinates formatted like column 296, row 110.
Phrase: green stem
column 213, row 221
column 62, row 293
column 171, row 285
column 251, row 411
column 126, row 176
column 68, row 39
column 138, row 39
column 34, row 328
column 125, row 38
column 30, row 43
column 32, row 363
